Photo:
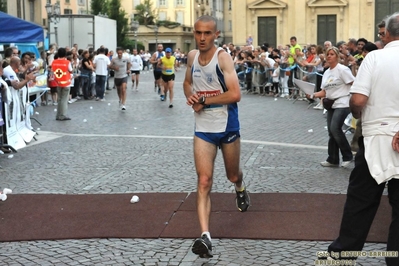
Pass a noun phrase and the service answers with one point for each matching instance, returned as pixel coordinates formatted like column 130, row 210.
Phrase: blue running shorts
column 219, row 138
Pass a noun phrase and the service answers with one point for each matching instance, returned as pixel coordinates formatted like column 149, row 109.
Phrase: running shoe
column 202, row 247
column 242, row 200
column 123, row 108
column 170, row 105
column 162, row 98
column 328, row 164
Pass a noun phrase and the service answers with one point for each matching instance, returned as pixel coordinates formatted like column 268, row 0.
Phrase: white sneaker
column 318, row 107
column 137, row 89
column 345, row 164
column 327, row 164
column 123, row 108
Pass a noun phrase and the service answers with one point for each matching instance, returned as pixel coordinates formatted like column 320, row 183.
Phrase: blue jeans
column 337, row 141
column 100, row 86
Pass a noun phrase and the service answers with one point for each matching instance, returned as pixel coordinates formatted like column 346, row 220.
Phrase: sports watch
column 201, row 100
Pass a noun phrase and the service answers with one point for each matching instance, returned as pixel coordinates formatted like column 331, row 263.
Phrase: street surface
column 148, row 148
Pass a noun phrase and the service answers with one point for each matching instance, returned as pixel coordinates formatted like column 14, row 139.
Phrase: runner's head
column 168, row 52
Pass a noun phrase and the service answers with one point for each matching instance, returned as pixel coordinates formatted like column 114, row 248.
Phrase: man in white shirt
column 10, row 74
column 137, row 65
column 146, row 60
column 101, row 63
column 375, row 99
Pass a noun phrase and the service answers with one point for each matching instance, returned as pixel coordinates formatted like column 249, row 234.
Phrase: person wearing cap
column 168, row 63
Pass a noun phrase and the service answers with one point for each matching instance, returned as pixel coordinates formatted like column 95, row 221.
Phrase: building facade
column 267, row 21
column 311, row 21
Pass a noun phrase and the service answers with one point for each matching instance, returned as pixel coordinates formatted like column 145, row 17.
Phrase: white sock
column 239, row 188
column 207, row 234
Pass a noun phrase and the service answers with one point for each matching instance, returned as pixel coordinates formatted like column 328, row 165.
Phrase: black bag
column 328, row 103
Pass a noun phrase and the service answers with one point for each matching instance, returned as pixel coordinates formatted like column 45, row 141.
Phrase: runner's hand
column 395, row 142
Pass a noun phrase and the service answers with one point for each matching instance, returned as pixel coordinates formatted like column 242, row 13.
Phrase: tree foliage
column 3, row 6
column 146, row 14
column 99, row 7
column 117, row 13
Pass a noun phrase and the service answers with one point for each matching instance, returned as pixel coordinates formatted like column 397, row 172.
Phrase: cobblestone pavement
column 148, row 148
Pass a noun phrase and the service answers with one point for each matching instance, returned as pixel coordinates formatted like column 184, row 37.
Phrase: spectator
column 352, row 46
column 291, row 61
column 101, row 63
column 381, row 33
column 86, row 73
column 62, row 69
column 10, row 72
column 8, row 53
column 360, row 43
column 335, row 86
column 377, row 159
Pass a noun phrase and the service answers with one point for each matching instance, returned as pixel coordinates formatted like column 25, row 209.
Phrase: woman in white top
column 335, row 85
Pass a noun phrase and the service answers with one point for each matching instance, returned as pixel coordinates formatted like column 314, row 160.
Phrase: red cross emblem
column 58, row 73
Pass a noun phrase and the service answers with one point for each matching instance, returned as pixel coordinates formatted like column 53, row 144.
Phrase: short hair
column 352, row 40
column 26, row 54
column 362, row 40
column 370, row 47
column 207, row 18
column 8, row 52
column 61, row 52
column 381, row 24
column 392, row 24
column 339, row 43
column 293, row 38
column 264, row 48
column 101, row 50
column 119, row 49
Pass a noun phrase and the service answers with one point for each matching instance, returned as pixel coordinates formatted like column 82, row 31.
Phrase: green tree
column 99, row 6
column 146, row 14
column 3, row 6
column 117, row 13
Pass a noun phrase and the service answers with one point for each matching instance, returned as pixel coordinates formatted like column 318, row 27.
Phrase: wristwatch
column 201, row 100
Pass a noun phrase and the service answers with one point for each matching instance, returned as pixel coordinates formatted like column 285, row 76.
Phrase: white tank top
column 209, row 81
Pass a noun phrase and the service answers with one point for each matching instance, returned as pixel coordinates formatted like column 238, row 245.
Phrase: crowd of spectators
column 307, row 63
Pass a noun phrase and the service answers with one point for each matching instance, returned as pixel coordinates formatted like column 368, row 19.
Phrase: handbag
column 328, row 103
column 51, row 82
